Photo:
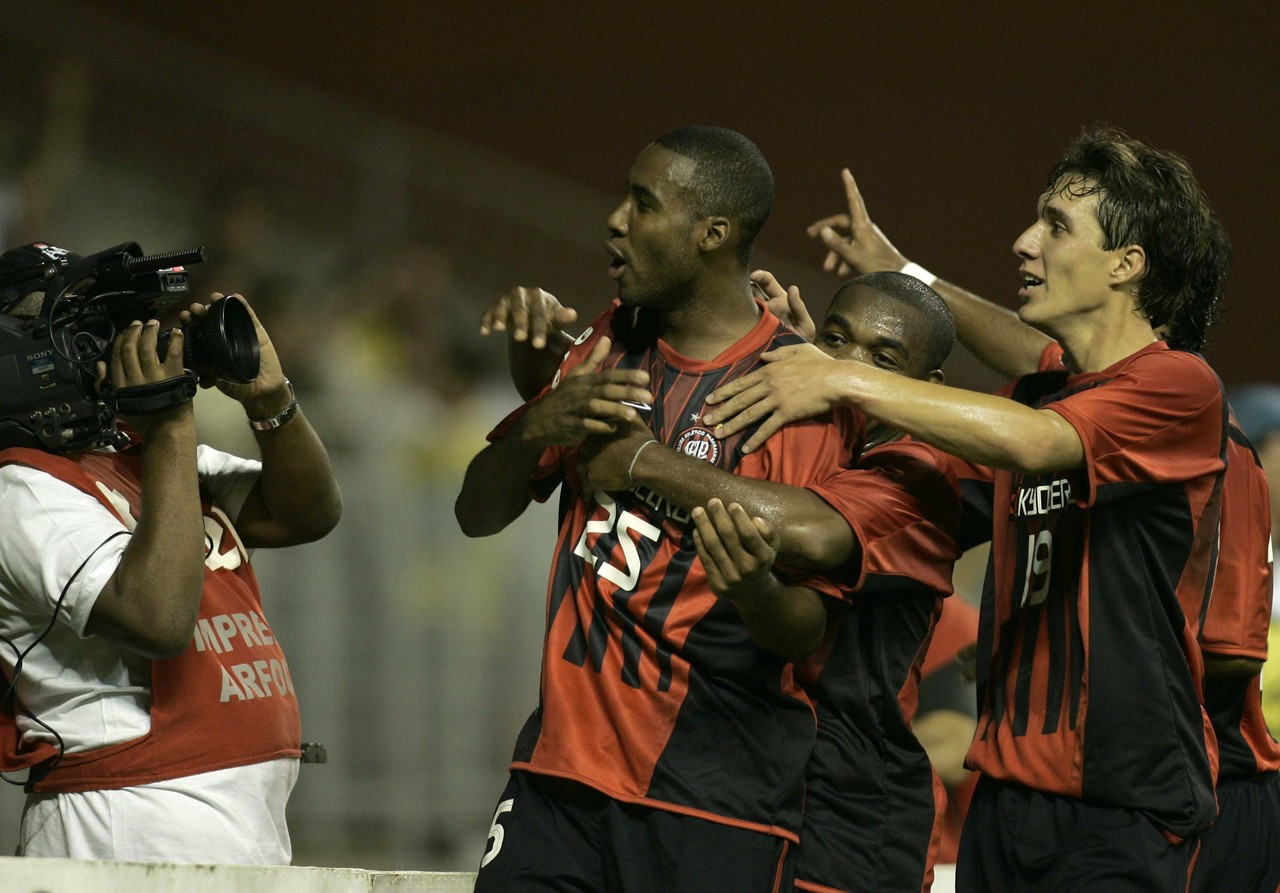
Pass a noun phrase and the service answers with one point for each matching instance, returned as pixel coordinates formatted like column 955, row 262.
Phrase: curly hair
column 1150, row 197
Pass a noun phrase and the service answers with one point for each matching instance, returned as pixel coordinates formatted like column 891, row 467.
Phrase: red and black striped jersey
column 1089, row 669
column 870, row 811
column 652, row 690
column 1237, row 616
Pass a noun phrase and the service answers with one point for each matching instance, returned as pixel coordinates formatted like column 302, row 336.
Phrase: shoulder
column 915, row 465
column 1182, row 368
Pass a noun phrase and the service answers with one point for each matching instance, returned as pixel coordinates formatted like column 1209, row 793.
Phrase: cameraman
column 147, row 696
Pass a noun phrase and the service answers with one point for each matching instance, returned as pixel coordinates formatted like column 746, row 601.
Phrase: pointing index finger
column 857, row 207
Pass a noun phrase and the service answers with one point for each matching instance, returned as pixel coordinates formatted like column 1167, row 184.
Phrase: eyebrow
column 1055, row 213
column 883, row 341
column 643, row 192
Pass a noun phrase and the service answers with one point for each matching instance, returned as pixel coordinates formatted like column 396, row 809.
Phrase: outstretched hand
column 798, row 382
column 529, row 314
column 785, row 303
column 855, row 245
column 587, row 401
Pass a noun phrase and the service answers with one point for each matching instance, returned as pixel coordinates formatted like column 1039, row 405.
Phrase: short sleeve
column 1158, row 420
column 228, row 478
column 902, row 503
column 60, row 545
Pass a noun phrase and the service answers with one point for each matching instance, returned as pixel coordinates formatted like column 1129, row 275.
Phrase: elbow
column 166, row 638
column 326, row 516
column 817, row 545
column 472, row 522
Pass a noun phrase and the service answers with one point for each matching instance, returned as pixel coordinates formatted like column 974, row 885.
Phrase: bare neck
column 711, row 320
column 1093, row 342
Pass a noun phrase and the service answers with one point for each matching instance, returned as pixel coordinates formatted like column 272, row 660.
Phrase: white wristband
column 631, row 469
column 914, row 269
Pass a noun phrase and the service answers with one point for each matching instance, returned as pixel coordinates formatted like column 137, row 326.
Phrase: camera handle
column 155, row 396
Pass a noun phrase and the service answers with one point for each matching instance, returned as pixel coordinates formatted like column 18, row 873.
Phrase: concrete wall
column 69, row 876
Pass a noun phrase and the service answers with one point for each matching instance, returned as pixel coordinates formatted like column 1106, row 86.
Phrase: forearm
column 982, row 428
column 532, row 368
column 150, row 603
column 301, row 499
column 786, row 620
column 813, row 534
column 993, row 334
column 495, row 490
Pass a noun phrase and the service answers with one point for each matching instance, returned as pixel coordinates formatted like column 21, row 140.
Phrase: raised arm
column 534, row 320
column 994, row 334
column 297, row 498
column 150, row 602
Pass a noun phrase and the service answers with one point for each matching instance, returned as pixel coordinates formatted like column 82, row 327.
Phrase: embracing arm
column 811, row 533
column 994, row 334
column 799, row 382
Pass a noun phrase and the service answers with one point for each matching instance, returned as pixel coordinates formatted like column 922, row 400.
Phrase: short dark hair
column 914, row 293
column 732, row 178
column 1150, row 197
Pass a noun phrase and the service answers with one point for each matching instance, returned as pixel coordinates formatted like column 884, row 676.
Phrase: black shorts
column 1241, row 850
column 550, row 834
column 1019, row 839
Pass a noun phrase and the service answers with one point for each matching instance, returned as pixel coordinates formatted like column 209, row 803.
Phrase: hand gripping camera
column 49, row 397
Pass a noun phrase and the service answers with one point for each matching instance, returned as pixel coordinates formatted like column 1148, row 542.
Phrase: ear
column 936, row 377
column 1130, row 267
column 715, row 233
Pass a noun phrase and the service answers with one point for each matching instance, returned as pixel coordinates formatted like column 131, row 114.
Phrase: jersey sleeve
column 58, row 544
column 1159, row 420
column 803, row 454
column 902, row 503
column 229, row 478
column 1237, row 618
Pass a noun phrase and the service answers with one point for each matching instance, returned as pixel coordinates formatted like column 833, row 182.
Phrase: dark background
column 949, row 115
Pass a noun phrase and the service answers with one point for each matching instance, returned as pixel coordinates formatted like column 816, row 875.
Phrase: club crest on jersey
column 699, row 443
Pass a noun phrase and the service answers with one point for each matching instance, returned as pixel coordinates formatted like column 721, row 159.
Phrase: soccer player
column 1098, row 488
column 884, row 531
column 1241, row 850
column 668, row 749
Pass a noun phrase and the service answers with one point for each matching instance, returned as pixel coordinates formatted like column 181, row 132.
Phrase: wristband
column 280, row 418
column 631, row 468
column 918, row 272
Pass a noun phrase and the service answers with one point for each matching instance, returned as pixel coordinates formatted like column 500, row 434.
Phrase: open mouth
column 1029, row 282
column 617, row 263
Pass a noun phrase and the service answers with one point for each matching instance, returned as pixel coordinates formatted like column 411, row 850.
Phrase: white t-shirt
column 59, row 547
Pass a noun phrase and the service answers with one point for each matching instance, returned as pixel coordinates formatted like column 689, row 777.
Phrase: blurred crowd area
column 414, row 649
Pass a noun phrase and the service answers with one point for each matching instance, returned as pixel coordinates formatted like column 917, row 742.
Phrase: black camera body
column 48, row 391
